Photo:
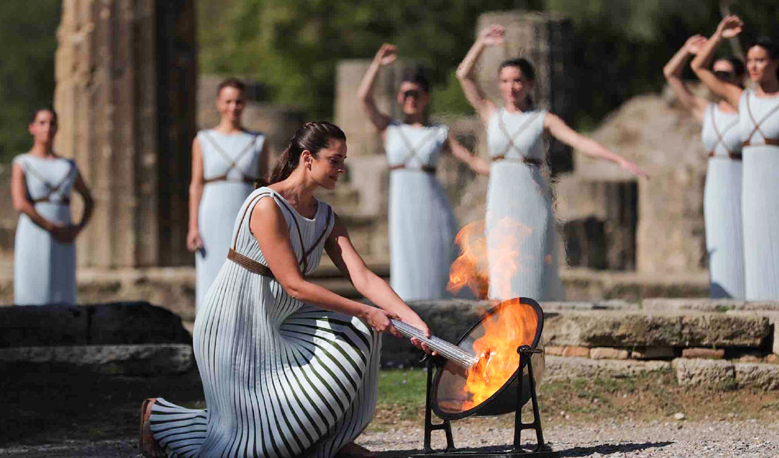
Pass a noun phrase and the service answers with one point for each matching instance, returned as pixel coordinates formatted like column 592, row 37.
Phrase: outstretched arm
column 384, row 56
column 460, row 152
column 340, row 249
column 561, row 131
column 729, row 27
column 673, row 74
column 491, row 36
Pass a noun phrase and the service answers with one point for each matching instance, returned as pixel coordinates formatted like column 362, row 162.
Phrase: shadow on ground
column 598, row 450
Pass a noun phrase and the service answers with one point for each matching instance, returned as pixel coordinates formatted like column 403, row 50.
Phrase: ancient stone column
column 126, row 88
column 543, row 39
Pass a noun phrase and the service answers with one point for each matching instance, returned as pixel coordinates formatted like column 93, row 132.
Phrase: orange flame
column 470, row 268
column 513, row 326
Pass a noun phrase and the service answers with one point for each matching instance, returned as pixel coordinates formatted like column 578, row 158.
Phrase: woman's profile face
column 329, row 164
column 413, row 98
column 230, row 103
column 760, row 66
column 514, row 86
column 44, row 127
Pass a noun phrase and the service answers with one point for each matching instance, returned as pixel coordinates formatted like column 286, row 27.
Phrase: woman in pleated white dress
column 226, row 162
column 759, row 128
column 42, row 183
column 722, row 192
column 520, row 223
column 289, row 368
column 421, row 223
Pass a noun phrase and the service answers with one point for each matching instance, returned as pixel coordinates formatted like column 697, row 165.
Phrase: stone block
column 609, row 353
column 703, row 372
column 579, row 352
column 626, row 329
column 108, row 359
column 757, row 375
column 773, row 320
column 134, row 323
column 652, row 353
column 703, row 353
column 771, row 359
column 560, row 368
column 554, row 351
column 706, row 305
column 43, row 325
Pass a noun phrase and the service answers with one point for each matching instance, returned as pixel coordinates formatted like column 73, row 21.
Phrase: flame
column 512, row 326
column 470, row 268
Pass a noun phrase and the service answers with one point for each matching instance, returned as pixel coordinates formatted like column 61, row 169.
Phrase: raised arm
column 194, row 242
column 561, row 131
column 340, row 249
column 460, row 152
column 491, row 36
column 729, row 27
column 384, row 56
column 673, row 74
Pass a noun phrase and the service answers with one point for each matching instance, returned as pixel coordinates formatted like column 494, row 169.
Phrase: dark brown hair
column 49, row 109
column 312, row 136
column 230, row 82
column 524, row 66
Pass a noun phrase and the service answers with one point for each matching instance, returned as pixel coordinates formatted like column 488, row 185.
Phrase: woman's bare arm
column 460, row 152
column 492, row 35
column 384, row 56
column 729, row 27
column 194, row 242
column 673, row 74
column 22, row 203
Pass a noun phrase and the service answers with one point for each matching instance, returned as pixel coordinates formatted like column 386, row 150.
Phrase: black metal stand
column 540, row 451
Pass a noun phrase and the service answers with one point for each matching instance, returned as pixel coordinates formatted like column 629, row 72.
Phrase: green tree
column 27, row 44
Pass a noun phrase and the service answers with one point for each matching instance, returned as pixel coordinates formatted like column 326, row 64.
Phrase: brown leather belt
column 526, row 160
column 249, row 264
column 425, row 168
column 767, row 141
column 247, row 180
column 733, row 156
column 64, row 201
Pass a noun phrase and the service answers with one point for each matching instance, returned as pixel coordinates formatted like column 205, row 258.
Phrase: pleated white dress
column 44, row 269
column 722, row 204
column 281, row 378
column 231, row 165
column 759, row 127
column 421, row 222
column 520, row 223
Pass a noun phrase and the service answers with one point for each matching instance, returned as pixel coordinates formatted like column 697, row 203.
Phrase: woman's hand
column 694, row 44
column 492, row 35
column 633, row 168
column 413, row 319
column 386, row 55
column 379, row 320
column 64, row 233
column 730, row 26
column 194, row 242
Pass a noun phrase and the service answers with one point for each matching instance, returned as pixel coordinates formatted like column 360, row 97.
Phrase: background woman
column 722, row 193
column 759, row 128
column 288, row 367
column 519, row 205
column 421, row 223
column 41, row 186
column 226, row 161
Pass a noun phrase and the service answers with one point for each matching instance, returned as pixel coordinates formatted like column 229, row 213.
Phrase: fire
column 513, row 326
column 470, row 268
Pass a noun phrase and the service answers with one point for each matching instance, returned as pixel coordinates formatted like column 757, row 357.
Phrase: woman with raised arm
column 759, row 128
column 226, row 162
column 519, row 204
column 722, row 192
column 41, row 186
column 289, row 368
column 421, row 223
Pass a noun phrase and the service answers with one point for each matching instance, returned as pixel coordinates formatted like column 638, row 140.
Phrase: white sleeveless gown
column 520, row 223
column 281, row 378
column 421, row 222
column 760, row 194
column 234, row 158
column 45, row 270
column 722, row 204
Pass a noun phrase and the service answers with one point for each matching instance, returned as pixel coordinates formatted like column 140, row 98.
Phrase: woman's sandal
column 353, row 450
column 146, row 442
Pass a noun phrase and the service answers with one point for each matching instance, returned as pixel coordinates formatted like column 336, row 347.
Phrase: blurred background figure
column 226, row 162
column 722, row 192
column 41, row 186
column 519, row 203
column 759, row 128
column 421, row 223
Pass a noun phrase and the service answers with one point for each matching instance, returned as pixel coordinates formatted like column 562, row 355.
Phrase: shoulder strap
column 511, row 138
column 720, row 135
column 322, row 235
column 412, row 150
column 232, row 163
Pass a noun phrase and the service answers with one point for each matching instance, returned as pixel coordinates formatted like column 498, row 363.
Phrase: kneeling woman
column 288, row 367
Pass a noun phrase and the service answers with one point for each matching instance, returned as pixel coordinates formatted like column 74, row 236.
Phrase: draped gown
column 44, row 269
column 281, row 378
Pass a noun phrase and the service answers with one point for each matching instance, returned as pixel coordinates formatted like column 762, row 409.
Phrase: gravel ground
column 624, row 439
